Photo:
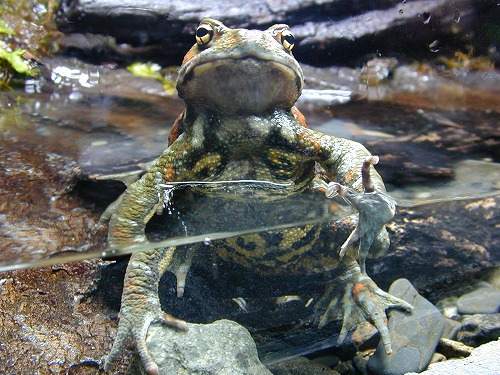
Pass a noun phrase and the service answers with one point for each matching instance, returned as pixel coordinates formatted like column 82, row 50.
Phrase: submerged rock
column 51, row 322
column 220, row 348
column 451, row 328
column 453, row 349
column 414, row 336
column 301, row 366
column 484, row 300
column 479, row 329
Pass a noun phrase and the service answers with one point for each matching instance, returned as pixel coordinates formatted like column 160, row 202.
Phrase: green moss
column 4, row 29
column 154, row 71
column 16, row 60
column 27, row 34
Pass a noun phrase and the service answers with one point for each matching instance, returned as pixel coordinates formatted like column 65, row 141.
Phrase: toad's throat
column 242, row 86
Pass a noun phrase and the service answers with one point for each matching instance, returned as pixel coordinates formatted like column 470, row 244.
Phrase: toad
column 240, row 124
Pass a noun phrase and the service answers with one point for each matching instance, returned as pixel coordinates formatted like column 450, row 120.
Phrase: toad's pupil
column 201, row 32
column 289, row 38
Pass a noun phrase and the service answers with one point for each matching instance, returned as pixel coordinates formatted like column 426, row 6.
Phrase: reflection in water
column 74, row 77
column 473, row 179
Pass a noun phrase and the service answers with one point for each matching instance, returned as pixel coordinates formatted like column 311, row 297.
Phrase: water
column 100, row 138
column 92, row 140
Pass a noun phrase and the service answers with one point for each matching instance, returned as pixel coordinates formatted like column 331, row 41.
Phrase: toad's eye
column 204, row 34
column 287, row 39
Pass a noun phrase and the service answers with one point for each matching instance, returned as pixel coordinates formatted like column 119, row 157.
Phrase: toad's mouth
column 240, row 85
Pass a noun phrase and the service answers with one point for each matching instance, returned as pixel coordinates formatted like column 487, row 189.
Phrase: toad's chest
column 293, row 235
column 266, row 164
column 263, row 148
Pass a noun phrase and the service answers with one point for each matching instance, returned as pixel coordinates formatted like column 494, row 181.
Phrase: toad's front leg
column 357, row 297
column 376, row 208
column 140, row 302
column 140, row 305
column 350, row 165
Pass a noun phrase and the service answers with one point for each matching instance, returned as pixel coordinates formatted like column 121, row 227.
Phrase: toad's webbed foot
column 376, row 208
column 362, row 300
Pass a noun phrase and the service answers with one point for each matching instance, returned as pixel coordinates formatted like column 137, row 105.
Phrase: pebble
column 485, row 300
column 454, row 349
column 494, row 279
column 479, row 329
column 360, row 361
column 414, row 335
column 301, row 366
column 437, row 357
column 451, row 328
column 482, row 361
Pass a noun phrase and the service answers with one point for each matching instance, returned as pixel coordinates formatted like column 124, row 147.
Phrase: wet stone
column 494, row 279
column 414, row 335
column 301, row 366
column 361, row 359
column 485, row 300
column 437, row 357
column 453, row 349
column 355, row 30
column 451, row 328
column 479, row 329
column 223, row 348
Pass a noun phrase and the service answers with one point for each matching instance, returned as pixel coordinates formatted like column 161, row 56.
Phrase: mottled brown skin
column 240, row 87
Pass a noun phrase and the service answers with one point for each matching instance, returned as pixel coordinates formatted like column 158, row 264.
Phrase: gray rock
column 360, row 361
column 494, row 279
column 485, row 300
column 482, row 361
column 454, row 349
column 301, row 366
column 479, row 329
column 448, row 307
column 220, row 348
column 437, row 357
column 414, row 336
column 451, row 328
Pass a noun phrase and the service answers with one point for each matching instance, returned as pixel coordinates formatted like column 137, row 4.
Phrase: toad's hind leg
column 141, row 305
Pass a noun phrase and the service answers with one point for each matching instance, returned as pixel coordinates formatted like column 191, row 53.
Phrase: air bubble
column 434, row 46
column 426, row 17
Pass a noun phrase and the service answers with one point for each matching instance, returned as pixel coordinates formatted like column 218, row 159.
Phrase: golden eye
column 287, row 39
column 204, row 34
